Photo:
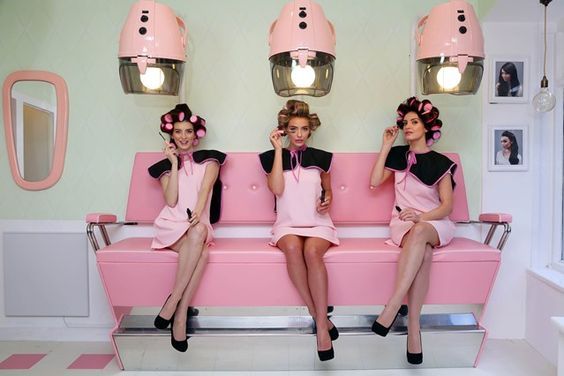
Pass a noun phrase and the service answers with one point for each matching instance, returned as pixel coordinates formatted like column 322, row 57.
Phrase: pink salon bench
column 248, row 272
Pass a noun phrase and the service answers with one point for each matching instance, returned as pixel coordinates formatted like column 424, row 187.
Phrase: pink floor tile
column 91, row 361
column 21, row 361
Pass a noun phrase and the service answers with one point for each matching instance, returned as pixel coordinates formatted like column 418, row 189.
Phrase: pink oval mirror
column 35, row 105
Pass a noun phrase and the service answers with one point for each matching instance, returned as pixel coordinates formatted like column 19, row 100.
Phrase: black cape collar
column 430, row 166
column 310, row 158
column 199, row 156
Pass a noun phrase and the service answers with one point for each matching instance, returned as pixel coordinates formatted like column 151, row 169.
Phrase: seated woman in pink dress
column 423, row 181
column 187, row 178
column 299, row 177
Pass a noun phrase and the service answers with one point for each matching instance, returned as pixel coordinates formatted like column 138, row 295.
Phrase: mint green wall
column 228, row 83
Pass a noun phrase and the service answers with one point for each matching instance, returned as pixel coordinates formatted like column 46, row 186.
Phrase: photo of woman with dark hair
column 509, row 153
column 508, row 84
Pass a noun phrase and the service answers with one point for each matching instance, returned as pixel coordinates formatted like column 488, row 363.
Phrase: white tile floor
column 500, row 358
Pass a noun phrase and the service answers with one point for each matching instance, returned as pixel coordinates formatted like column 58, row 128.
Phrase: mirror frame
column 60, row 146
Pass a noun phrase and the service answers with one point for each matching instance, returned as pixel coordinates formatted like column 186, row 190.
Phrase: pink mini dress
column 416, row 178
column 296, row 207
column 172, row 222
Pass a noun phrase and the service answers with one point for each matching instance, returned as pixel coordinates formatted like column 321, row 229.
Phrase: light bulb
column 448, row 77
column 544, row 101
column 153, row 78
column 302, row 77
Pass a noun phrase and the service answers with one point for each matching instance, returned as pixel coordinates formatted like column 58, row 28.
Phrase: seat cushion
column 257, row 250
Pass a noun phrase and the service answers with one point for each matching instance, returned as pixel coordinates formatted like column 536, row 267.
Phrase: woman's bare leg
column 410, row 260
column 190, row 249
column 416, row 297
column 293, row 248
column 314, row 250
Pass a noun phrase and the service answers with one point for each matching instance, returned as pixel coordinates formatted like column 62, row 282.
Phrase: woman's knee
column 421, row 232
column 294, row 255
column 314, row 255
column 198, row 233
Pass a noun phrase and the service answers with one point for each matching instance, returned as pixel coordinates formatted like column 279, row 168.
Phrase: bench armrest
column 495, row 220
column 99, row 218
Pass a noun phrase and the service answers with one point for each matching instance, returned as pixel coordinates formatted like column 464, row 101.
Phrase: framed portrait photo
column 508, row 148
column 509, row 80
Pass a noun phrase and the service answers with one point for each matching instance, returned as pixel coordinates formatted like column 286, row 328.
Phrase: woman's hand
column 276, row 138
column 194, row 218
column 409, row 214
column 171, row 153
column 390, row 135
column 323, row 206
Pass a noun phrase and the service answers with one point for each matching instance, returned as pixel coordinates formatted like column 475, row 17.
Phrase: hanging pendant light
column 450, row 50
column 302, row 50
column 544, row 101
column 152, row 50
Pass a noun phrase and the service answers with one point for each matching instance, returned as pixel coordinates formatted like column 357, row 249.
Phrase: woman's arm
column 440, row 212
column 379, row 174
column 169, row 182
column 210, row 176
column 323, row 206
column 276, row 177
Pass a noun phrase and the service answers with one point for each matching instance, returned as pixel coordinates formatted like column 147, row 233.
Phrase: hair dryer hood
column 152, row 50
column 450, row 49
column 302, row 50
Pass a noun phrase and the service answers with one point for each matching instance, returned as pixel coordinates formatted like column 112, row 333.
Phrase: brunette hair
column 428, row 114
column 513, row 156
column 182, row 113
column 506, row 89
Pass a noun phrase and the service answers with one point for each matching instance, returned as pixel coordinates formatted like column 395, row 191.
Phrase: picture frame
column 509, row 79
column 502, row 138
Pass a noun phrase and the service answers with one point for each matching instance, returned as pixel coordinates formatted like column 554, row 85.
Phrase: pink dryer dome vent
column 152, row 50
column 450, row 50
column 302, row 50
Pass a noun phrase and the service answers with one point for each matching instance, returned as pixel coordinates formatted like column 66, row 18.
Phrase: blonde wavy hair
column 294, row 108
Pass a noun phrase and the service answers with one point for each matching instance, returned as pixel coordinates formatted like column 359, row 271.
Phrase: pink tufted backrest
column 247, row 200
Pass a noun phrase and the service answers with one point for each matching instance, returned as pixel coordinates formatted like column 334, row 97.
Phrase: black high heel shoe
column 326, row 354
column 415, row 358
column 181, row 346
column 333, row 332
column 161, row 322
column 380, row 329
column 403, row 311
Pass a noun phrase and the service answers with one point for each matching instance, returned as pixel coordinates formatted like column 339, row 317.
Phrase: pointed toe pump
column 415, row 358
column 181, row 346
column 382, row 330
column 326, row 354
column 161, row 322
